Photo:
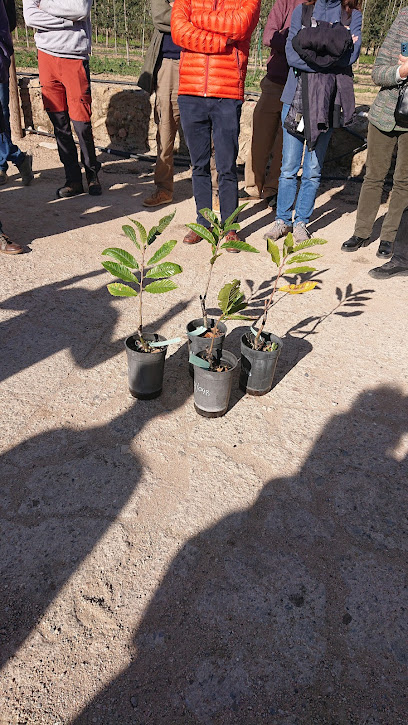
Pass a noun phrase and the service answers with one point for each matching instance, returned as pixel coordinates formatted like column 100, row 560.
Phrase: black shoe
column 94, row 187
column 71, row 188
column 355, row 243
column 385, row 250
column 390, row 269
column 272, row 201
column 26, row 170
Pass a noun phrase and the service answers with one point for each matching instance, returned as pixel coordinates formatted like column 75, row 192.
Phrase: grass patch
column 97, row 63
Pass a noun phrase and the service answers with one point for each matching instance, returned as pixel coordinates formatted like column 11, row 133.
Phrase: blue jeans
column 8, row 150
column 312, row 170
column 200, row 118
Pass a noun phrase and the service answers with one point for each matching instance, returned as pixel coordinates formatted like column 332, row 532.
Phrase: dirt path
column 158, row 567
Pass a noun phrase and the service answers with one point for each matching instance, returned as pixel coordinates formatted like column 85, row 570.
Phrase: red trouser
column 66, row 93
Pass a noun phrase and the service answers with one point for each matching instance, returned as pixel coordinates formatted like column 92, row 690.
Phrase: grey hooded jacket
column 63, row 26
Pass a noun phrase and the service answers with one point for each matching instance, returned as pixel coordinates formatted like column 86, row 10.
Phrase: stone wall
column 122, row 119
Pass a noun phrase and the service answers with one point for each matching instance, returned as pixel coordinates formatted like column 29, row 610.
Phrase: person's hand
column 355, row 38
column 403, row 66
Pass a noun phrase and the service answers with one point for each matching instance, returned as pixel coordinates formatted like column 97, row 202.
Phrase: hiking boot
column 71, row 188
column 385, row 249
column 278, row 229
column 354, row 243
column 8, row 247
column 232, row 237
column 160, row 196
column 300, row 233
column 94, row 187
column 26, row 170
column 3, row 177
column 390, row 269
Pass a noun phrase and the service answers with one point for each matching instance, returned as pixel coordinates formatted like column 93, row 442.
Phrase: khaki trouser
column 266, row 142
column 167, row 118
column 380, row 148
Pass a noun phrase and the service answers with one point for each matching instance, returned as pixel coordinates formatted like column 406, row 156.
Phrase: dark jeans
column 219, row 117
column 8, row 150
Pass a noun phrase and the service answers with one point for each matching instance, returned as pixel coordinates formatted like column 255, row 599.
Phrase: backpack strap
column 307, row 14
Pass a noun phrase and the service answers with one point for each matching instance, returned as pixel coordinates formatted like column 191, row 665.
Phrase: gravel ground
column 159, row 567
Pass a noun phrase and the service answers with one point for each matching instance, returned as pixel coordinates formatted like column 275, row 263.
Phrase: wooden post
column 15, row 115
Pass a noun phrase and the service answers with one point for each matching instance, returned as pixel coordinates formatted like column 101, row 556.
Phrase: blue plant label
column 163, row 343
column 198, row 331
column 198, row 361
column 254, row 332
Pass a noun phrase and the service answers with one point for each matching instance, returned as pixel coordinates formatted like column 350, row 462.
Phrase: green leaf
column 131, row 234
column 300, row 270
column 120, row 271
column 122, row 256
column 308, row 243
column 161, row 253
column 227, row 294
column 305, row 257
column 288, row 244
column 167, row 269
column 242, row 246
column 234, row 215
column 210, row 216
column 239, row 317
column 121, row 290
column 202, row 232
column 165, row 221
column 142, row 231
column 273, row 250
column 233, row 228
column 161, row 286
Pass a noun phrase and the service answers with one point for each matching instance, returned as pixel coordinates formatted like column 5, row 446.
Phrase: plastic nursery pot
column 197, row 343
column 145, row 369
column 212, row 390
column 258, row 366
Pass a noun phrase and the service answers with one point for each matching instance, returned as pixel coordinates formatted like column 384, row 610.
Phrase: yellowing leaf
column 297, row 289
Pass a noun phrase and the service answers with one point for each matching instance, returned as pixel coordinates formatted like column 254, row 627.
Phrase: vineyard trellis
column 125, row 26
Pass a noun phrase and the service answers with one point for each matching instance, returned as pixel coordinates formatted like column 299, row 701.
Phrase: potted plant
column 146, row 351
column 200, row 330
column 260, row 350
column 213, row 366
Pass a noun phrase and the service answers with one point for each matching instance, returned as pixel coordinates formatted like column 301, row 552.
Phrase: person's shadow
column 294, row 609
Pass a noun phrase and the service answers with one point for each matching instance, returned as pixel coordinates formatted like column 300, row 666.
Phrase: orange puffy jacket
column 208, row 65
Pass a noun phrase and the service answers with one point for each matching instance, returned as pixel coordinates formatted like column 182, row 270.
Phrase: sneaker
column 8, row 247
column 390, row 269
column 232, row 237
column 3, row 177
column 243, row 194
column 160, row 196
column 278, row 229
column 94, row 187
column 300, row 233
column 26, row 170
column 71, row 188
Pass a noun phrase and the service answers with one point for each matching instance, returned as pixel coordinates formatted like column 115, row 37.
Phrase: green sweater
column 381, row 113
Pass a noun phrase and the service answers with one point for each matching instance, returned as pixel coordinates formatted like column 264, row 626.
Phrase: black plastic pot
column 212, row 390
column 145, row 369
column 257, row 366
column 197, row 343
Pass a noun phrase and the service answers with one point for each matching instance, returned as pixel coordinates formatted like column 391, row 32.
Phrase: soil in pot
column 197, row 343
column 145, row 369
column 212, row 389
column 258, row 366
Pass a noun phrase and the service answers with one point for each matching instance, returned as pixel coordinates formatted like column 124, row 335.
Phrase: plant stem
column 268, row 304
column 140, row 330
column 215, row 330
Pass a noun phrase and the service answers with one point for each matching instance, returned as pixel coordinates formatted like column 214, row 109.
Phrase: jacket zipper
column 207, row 61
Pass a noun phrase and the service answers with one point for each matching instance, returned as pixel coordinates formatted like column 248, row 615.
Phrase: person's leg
column 196, row 125
column 167, row 117
column 399, row 194
column 398, row 264
column 14, row 154
column 55, row 103
column 266, row 140
column 76, row 79
column 292, row 153
column 380, row 147
column 225, row 118
column 310, row 182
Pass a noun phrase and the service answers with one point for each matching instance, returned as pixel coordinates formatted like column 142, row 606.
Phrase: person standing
column 213, row 66
column 63, row 40
column 9, row 151
column 160, row 72
column 384, row 135
column 290, row 202
column 266, row 144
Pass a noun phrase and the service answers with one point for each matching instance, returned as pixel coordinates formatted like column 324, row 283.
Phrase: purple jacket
column 275, row 35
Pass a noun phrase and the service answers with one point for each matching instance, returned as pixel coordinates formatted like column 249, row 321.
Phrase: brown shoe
column 192, row 238
column 161, row 196
column 8, row 247
column 232, row 237
column 71, row 188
